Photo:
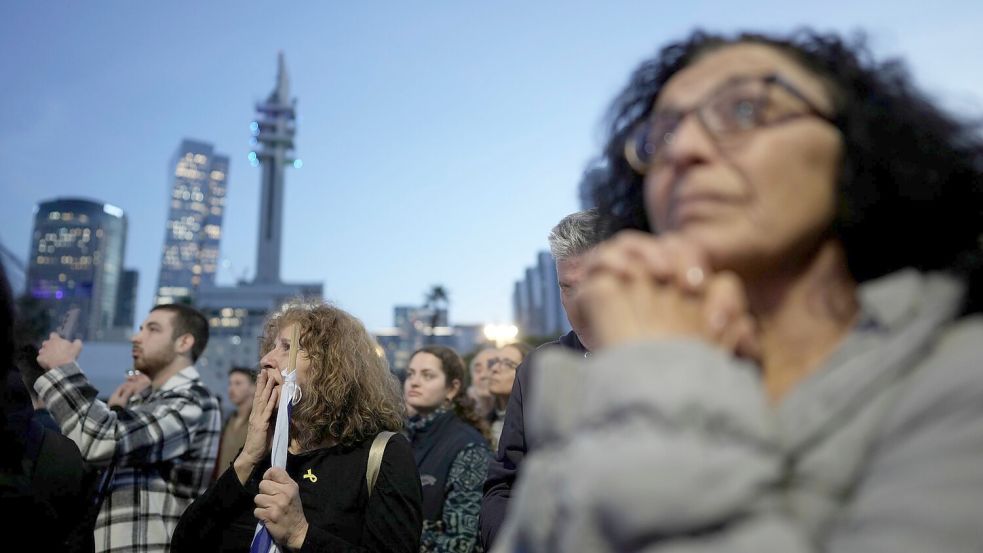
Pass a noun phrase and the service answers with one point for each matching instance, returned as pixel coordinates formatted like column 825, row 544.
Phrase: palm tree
column 435, row 300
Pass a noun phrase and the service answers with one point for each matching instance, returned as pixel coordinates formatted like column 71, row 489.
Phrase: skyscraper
column 189, row 258
column 536, row 303
column 126, row 299
column 76, row 261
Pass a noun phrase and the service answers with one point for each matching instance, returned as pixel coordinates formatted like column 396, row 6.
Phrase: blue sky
column 441, row 140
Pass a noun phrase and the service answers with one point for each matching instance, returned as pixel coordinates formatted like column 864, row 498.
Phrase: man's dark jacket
column 503, row 469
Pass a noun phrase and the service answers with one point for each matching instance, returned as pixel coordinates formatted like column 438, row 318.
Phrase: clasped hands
column 639, row 286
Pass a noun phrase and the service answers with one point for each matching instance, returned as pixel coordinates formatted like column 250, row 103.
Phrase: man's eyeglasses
column 507, row 363
column 735, row 108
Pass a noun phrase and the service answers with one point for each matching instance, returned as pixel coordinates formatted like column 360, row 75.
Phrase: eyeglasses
column 507, row 363
column 734, row 109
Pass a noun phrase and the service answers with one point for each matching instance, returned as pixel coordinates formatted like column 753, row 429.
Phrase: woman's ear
column 454, row 388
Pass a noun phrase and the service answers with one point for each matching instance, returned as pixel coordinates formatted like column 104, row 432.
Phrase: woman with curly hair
column 789, row 327
column 322, row 501
column 450, row 445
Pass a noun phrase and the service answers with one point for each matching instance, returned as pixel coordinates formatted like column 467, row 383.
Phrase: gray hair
column 575, row 234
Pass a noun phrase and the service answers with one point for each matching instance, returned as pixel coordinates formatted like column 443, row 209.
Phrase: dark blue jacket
column 512, row 447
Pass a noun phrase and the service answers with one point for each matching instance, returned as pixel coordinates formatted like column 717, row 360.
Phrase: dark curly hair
column 453, row 368
column 910, row 190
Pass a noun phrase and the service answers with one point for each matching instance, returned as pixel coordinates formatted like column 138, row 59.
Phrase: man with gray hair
column 571, row 241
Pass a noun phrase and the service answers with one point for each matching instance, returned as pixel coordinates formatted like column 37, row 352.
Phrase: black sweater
column 341, row 515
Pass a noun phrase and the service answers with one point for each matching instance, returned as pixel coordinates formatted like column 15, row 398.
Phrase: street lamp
column 500, row 334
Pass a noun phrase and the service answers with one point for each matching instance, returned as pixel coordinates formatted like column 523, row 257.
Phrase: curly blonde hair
column 350, row 393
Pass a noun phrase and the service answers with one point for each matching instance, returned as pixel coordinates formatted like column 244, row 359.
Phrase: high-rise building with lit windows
column 76, row 260
column 190, row 255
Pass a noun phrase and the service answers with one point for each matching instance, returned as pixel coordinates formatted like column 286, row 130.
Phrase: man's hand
column 278, row 506
column 57, row 351
column 134, row 384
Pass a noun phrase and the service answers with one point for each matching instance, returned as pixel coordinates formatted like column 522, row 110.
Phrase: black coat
column 341, row 514
column 512, row 447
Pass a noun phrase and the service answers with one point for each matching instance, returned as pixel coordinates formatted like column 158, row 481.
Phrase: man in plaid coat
column 160, row 448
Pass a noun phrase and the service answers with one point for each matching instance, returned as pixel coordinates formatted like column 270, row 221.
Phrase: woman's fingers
column 607, row 308
column 748, row 341
column 729, row 323
column 643, row 286
column 262, row 383
column 272, row 403
column 688, row 264
column 265, row 400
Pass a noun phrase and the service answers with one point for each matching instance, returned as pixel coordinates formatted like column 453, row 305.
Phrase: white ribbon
column 289, row 393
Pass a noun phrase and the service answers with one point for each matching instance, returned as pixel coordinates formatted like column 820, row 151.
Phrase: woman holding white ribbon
column 335, row 394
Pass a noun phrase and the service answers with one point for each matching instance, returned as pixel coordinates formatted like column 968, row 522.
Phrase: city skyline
column 439, row 143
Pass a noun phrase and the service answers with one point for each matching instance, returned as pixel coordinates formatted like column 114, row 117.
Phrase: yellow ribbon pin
column 310, row 476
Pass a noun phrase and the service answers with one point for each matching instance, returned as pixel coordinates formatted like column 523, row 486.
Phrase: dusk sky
column 440, row 140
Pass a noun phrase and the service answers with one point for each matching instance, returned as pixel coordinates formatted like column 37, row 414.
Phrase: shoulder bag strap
column 375, row 458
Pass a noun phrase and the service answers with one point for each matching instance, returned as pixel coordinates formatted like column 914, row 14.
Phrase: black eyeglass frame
column 504, row 361
column 641, row 130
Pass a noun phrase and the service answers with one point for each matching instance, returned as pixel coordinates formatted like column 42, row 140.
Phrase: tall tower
column 189, row 258
column 274, row 131
column 236, row 314
column 77, row 260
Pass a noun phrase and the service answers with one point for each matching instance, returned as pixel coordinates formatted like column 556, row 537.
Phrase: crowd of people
column 776, row 344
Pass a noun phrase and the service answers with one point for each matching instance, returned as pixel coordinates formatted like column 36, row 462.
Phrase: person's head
column 571, row 241
column 242, row 385
column 347, row 391
column 435, row 379
column 481, row 372
column 760, row 149
column 170, row 332
column 503, row 367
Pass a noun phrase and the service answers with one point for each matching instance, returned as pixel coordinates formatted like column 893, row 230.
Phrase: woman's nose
column 689, row 143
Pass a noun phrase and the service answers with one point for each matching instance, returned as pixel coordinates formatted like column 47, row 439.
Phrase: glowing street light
column 500, row 334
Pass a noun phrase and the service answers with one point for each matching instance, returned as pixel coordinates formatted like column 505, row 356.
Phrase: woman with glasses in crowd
column 322, row 501
column 503, row 366
column 790, row 326
column 450, row 447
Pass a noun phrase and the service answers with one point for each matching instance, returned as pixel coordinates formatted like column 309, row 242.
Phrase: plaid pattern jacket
column 164, row 445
